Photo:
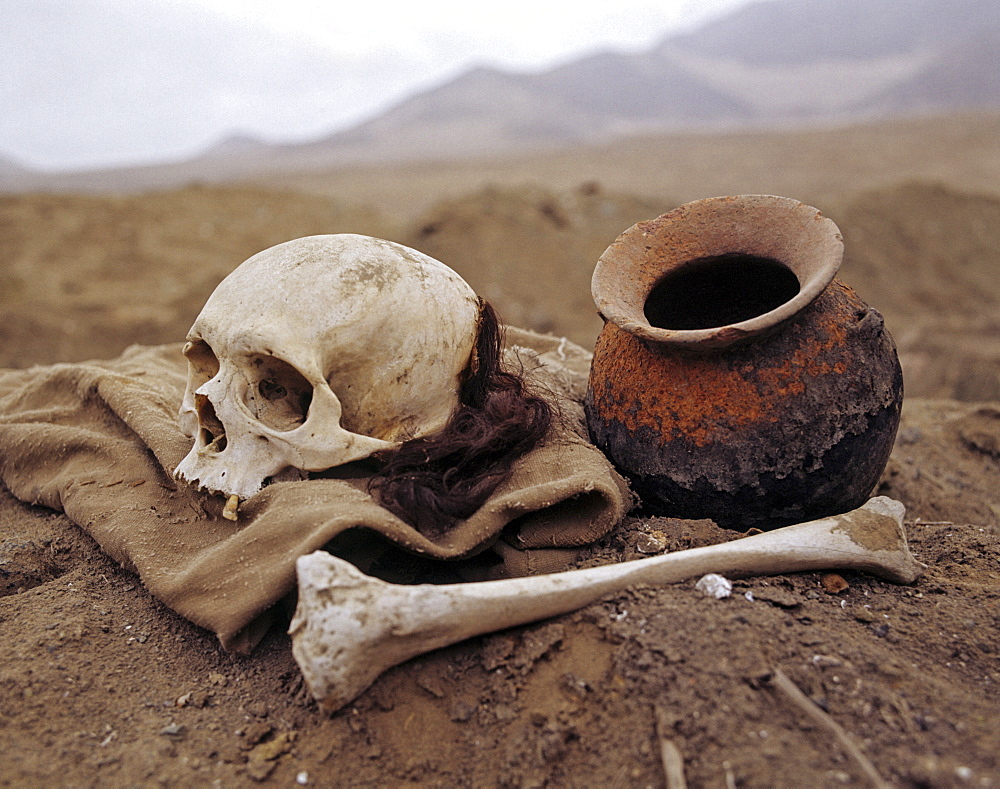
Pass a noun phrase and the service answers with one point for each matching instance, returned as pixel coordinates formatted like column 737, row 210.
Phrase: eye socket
column 271, row 390
column 279, row 395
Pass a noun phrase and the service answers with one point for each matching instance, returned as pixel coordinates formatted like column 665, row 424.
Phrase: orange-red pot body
column 787, row 426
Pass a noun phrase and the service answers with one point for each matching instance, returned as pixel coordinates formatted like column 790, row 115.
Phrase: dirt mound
column 928, row 258
column 85, row 276
column 531, row 251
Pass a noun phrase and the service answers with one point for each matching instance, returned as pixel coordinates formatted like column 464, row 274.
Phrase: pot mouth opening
column 718, row 291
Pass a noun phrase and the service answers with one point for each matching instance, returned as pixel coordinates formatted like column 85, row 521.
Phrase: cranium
column 318, row 352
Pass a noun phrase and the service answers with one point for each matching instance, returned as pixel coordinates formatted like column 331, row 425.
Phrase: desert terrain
column 103, row 685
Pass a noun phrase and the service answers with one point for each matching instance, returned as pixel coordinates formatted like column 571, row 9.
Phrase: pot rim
column 768, row 226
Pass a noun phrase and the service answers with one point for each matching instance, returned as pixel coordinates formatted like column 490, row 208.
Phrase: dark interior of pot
column 718, row 291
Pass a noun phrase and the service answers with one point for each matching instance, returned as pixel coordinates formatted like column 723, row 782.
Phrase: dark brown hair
column 435, row 481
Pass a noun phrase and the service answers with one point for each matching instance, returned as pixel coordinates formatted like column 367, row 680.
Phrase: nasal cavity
column 212, row 431
column 718, row 291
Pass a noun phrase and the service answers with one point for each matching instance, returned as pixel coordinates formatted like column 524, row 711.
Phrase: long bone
column 349, row 627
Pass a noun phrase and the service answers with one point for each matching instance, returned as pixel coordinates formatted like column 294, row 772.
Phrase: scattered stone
column 355, row 722
column 257, row 709
column 833, row 583
column 496, row 651
column 651, row 543
column 262, row 760
column 713, row 585
column 260, row 771
column 193, row 698
column 575, row 686
column 272, row 749
column 255, row 733
column 172, row 730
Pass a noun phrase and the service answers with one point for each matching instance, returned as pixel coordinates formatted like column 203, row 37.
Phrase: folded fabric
column 100, row 440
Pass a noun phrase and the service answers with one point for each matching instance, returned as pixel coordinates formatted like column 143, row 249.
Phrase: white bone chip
column 713, row 585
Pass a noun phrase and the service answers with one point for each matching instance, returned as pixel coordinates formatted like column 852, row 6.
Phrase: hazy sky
column 87, row 83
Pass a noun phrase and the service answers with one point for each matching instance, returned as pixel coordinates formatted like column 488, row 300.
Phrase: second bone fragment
column 349, row 627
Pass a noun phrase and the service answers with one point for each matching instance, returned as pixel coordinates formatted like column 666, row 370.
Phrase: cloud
column 86, row 83
column 95, row 81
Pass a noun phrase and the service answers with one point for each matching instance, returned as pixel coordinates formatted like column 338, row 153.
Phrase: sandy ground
column 102, row 685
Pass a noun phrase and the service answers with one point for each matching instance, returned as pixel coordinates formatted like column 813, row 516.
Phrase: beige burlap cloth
column 100, row 440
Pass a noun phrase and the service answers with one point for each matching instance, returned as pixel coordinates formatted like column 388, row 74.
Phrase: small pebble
column 713, row 585
column 650, row 544
column 833, row 583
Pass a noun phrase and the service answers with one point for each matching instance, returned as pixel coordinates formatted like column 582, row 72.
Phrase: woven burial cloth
column 100, row 440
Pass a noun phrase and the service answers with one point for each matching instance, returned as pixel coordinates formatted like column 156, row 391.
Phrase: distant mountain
column 800, row 32
column 10, row 169
column 607, row 93
column 964, row 75
column 796, row 59
column 237, row 144
column 769, row 62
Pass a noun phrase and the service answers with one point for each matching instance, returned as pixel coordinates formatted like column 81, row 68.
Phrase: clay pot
column 735, row 378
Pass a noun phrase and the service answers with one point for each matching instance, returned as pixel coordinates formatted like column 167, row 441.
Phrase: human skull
column 318, row 352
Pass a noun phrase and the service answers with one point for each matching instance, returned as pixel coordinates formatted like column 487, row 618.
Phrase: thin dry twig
column 792, row 692
column 670, row 755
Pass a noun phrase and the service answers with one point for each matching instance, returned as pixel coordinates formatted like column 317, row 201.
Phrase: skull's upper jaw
column 242, row 465
column 245, row 433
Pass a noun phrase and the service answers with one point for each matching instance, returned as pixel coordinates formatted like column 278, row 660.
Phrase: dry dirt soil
column 102, row 685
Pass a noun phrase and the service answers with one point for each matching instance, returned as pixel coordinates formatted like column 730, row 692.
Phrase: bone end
column 886, row 539
column 883, row 505
column 340, row 629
